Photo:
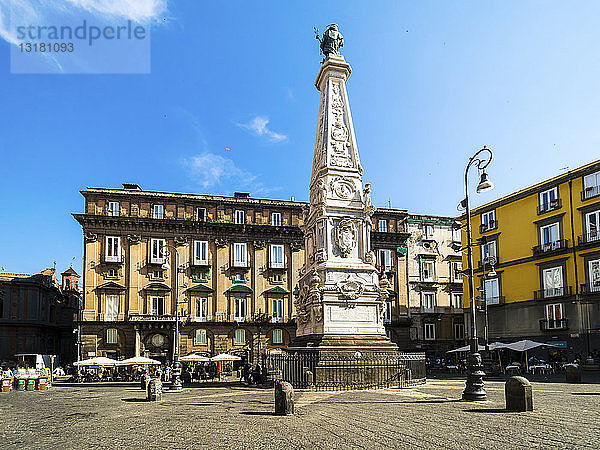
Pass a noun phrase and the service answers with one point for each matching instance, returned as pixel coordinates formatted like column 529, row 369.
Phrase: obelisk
column 339, row 298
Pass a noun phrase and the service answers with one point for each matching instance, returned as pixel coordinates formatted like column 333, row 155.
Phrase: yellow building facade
column 544, row 245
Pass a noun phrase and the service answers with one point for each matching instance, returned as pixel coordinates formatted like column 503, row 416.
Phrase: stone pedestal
column 519, row 395
column 284, row 399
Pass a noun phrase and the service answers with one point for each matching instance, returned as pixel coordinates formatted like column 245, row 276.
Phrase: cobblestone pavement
column 430, row 416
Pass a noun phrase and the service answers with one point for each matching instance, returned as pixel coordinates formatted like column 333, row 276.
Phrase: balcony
column 277, row 265
column 553, row 324
column 200, row 262
column 491, row 301
column 106, row 259
column 564, row 291
column 240, row 264
column 588, row 238
column 491, row 225
column 590, row 192
column 151, row 318
column 157, row 261
column 590, row 288
column 550, row 247
column 550, row 206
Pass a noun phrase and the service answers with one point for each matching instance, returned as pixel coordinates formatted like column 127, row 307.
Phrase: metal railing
column 491, row 225
column 588, row 237
column 323, row 372
column 590, row 288
column 562, row 291
column 550, row 246
column 589, row 192
column 553, row 324
column 549, row 206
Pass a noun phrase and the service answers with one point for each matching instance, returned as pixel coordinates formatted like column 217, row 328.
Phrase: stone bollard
column 154, row 393
column 144, row 379
column 519, row 396
column 573, row 373
column 284, row 398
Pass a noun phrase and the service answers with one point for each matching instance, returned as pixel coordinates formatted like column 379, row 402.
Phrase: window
column 488, row 220
column 456, row 301
column 277, row 278
column 201, row 308
column 201, row 214
column 276, row 219
column 459, row 331
column 157, row 212
column 113, row 249
column 112, row 308
column 594, row 275
column 113, row 208
column 157, row 251
column 427, row 270
column 200, row 253
column 240, row 309
column 111, row 336
column 157, row 306
column 112, row 273
column 456, row 235
column 240, row 254
column 239, row 337
column 429, row 301
column 554, row 316
column 492, row 291
column 385, row 259
column 552, row 280
column 277, row 310
column 428, row 231
column 549, row 199
column 456, row 271
column 591, row 185
column 429, row 331
column 592, row 222
column 488, row 253
column 276, row 255
column 200, row 337
column 387, row 314
column 550, row 237
column 277, row 337
column 382, row 225
column 239, row 216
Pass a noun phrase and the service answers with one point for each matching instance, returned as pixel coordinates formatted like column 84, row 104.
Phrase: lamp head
column 484, row 183
column 165, row 265
column 492, row 273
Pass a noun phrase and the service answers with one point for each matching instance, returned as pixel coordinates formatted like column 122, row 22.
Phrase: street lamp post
column 474, row 389
column 176, row 383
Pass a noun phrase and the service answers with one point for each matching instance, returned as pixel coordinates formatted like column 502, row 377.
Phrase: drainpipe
column 573, row 237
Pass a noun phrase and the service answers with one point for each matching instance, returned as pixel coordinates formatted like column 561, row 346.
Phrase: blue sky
column 432, row 83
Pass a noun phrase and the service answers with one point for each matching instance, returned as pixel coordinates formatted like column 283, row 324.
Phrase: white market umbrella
column 97, row 361
column 139, row 361
column 192, row 357
column 466, row 348
column 497, row 345
column 225, row 357
column 525, row 345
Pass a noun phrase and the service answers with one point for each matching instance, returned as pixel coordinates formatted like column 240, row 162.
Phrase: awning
column 156, row 286
column 139, row 361
column 200, row 288
column 98, row 361
column 112, row 285
column 276, row 290
column 240, row 289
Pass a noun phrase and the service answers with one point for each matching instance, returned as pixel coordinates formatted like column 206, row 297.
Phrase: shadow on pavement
column 257, row 413
column 134, row 400
column 488, row 410
column 585, row 393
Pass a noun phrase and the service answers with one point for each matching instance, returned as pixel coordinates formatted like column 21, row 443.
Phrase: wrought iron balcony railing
column 550, row 247
column 563, row 291
column 553, row 324
column 589, row 192
column 588, row 238
column 549, row 206
column 491, row 225
column 590, row 288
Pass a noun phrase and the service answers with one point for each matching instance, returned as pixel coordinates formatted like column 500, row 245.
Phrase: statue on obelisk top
column 331, row 41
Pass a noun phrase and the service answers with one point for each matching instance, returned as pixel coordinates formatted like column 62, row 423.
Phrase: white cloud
column 36, row 12
column 258, row 126
column 211, row 170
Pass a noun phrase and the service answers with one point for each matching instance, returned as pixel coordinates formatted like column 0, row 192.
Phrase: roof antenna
column 389, row 202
